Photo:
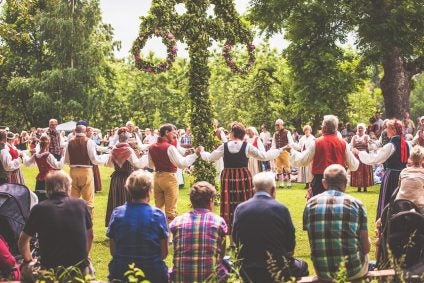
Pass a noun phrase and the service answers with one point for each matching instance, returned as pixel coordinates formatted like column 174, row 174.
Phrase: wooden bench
column 384, row 274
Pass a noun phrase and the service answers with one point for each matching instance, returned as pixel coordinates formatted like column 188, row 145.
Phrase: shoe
column 365, row 189
column 289, row 184
column 359, row 190
column 281, row 184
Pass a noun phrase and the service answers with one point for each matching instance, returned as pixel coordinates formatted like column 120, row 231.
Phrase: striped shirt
column 334, row 221
column 199, row 240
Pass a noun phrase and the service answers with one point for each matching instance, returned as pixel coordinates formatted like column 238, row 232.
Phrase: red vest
column 43, row 166
column 159, row 154
column 329, row 149
column 13, row 152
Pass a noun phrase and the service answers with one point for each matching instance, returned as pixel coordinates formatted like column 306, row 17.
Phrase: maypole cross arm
column 163, row 21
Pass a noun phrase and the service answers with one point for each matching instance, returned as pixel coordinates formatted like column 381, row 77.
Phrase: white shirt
column 51, row 160
column 305, row 157
column 92, row 153
column 6, row 160
column 259, row 143
column 151, row 139
column 304, row 141
column 265, row 137
column 176, row 158
column 133, row 159
column 235, row 146
column 289, row 138
column 378, row 157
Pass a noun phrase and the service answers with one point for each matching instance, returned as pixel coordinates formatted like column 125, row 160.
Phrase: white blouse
column 234, row 146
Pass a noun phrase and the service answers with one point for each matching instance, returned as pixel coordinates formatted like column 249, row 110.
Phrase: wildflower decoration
column 171, row 48
column 231, row 63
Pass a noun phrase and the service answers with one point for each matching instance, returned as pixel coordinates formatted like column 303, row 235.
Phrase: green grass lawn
column 294, row 199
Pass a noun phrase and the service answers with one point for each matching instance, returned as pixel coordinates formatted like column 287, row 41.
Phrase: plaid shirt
column 334, row 221
column 199, row 239
column 54, row 147
column 186, row 140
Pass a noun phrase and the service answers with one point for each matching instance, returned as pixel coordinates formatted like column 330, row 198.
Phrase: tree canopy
column 387, row 32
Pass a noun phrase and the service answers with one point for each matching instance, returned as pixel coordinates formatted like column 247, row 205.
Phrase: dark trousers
column 316, row 184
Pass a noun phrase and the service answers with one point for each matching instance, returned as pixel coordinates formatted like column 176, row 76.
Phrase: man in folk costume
column 55, row 140
column 130, row 126
column 281, row 138
column 166, row 158
column 80, row 155
column 7, row 164
column 326, row 150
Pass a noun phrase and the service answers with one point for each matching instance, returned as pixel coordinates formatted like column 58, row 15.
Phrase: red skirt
column 236, row 187
column 363, row 177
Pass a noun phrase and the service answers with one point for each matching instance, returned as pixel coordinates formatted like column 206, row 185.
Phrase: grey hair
column 330, row 122
column 417, row 155
column 336, row 177
column 279, row 122
column 57, row 181
column 264, row 181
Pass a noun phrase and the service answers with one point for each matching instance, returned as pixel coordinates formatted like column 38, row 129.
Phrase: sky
column 124, row 15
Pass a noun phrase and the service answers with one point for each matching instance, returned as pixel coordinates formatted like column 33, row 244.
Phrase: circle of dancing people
column 245, row 191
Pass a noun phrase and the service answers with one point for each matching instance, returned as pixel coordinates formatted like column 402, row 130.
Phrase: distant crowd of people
column 248, row 166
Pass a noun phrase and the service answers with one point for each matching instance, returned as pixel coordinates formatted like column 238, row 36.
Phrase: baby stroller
column 402, row 235
column 15, row 203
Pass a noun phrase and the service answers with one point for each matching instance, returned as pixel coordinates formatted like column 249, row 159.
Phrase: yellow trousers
column 83, row 184
column 283, row 162
column 165, row 188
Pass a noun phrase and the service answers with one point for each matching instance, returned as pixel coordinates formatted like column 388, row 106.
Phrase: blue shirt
column 137, row 229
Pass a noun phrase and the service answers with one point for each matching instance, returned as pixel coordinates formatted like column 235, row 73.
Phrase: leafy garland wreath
column 171, row 48
column 228, row 46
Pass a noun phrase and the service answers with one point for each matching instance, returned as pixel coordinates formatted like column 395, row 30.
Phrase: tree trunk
column 395, row 84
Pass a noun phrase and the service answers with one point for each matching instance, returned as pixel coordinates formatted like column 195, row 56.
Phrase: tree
column 388, row 32
column 54, row 70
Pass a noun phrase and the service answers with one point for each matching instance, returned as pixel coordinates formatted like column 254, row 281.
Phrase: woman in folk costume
column 305, row 172
column 46, row 162
column 96, row 171
column 395, row 157
column 236, row 180
column 363, row 177
column 124, row 160
column 253, row 139
column 16, row 176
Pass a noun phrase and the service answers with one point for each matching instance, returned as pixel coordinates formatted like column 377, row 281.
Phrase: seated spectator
column 138, row 233
column 62, row 224
column 9, row 270
column 199, row 237
column 337, row 228
column 262, row 225
column 411, row 185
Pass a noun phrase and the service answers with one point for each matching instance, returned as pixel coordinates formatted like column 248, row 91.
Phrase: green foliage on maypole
column 197, row 30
